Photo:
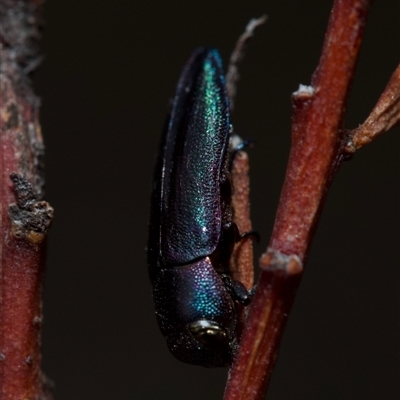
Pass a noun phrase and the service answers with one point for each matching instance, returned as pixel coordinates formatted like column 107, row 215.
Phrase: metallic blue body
column 191, row 235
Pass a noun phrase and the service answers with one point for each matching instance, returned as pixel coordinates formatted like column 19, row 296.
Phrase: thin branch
column 385, row 114
column 316, row 151
column 241, row 263
column 232, row 76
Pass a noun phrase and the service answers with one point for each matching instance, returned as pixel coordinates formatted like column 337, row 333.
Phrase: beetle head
column 196, row 313
column 202, row 343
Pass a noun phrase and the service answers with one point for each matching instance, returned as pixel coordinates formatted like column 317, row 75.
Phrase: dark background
column 109, row 72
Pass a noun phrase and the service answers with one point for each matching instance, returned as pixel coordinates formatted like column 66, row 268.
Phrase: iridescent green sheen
column 191, row 234
column 192, row 171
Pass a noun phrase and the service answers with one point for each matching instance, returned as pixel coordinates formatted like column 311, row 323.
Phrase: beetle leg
column 222, row 254
column 240, row 236
column 238, row 291
column 252, row 234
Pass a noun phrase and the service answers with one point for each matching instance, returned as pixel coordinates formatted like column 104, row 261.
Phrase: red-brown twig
column 241, row 263
column 318, row 142
column 24, row 218
column 385, row 114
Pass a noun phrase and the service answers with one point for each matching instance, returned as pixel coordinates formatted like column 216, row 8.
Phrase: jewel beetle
column 191, row 233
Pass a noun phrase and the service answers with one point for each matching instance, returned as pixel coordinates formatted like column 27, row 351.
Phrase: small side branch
column 232, row 76
column 241, row 264
column 385, row 115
